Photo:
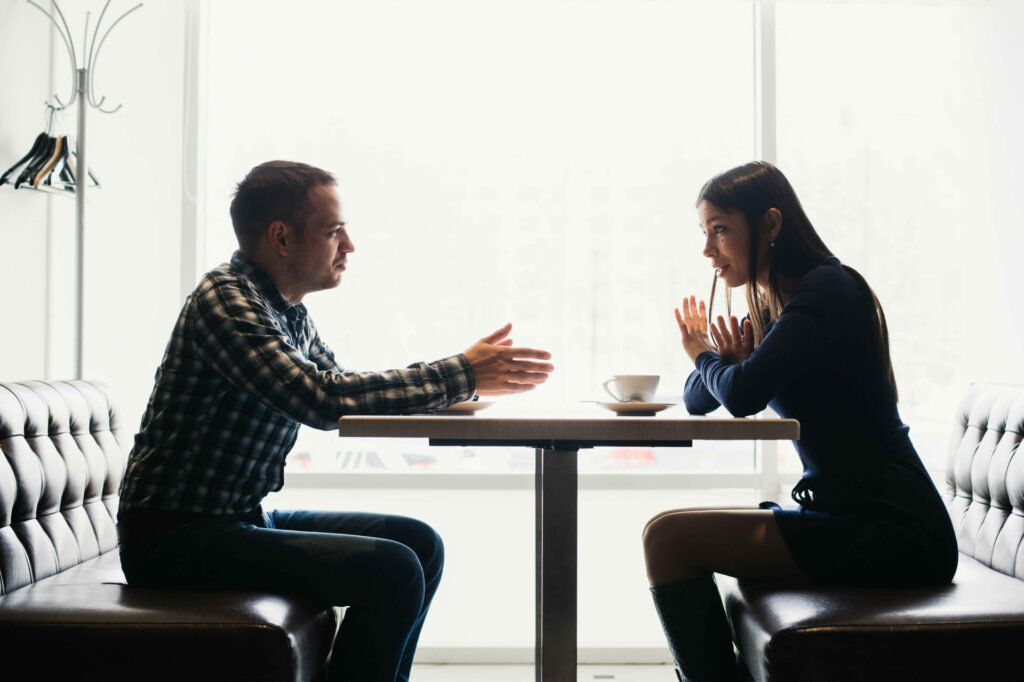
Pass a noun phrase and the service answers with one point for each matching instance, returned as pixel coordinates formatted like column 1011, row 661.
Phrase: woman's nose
column 709, row 249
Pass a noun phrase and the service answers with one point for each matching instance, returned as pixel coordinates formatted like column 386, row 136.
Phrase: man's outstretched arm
column 242, row 341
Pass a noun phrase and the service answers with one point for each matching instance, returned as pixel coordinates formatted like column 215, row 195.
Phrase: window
column 537, row 162
column 871, row 132
column 532, row 162
column 498, row 160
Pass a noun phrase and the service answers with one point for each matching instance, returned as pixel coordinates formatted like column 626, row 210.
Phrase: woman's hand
column 734, row 345
column 693, row 326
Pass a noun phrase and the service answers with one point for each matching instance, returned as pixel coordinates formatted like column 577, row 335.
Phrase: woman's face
column 726, row 242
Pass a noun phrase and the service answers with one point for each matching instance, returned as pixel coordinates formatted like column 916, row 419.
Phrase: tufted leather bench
column 65, row 610
column 969, row 630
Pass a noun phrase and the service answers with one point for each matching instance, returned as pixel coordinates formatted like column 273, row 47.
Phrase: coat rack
column 82, row 92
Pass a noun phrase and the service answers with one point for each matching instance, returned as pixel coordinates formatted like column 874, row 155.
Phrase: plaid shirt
column 244, row 367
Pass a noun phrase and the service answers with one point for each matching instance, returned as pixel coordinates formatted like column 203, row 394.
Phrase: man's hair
column 275, row 190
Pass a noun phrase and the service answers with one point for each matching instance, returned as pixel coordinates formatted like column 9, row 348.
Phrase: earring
column 772, row 243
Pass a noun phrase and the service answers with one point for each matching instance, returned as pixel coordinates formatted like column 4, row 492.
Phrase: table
column 557, row 441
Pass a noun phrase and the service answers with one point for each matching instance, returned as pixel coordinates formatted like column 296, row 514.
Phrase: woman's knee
column 692, row 510
column 656, row 538
column 667, row 532
column 651, row 521
column 676, row 538
column 660, row 515
column 667, row 554
column 676, row 520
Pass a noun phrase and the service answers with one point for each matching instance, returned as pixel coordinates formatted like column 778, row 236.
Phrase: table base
column 556, row 564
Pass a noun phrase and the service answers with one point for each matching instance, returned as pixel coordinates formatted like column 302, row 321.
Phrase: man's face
column 322, row 247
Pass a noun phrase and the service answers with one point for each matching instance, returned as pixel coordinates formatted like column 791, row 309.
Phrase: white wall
column 22, row 214
column 132, row 243
column 133, row 249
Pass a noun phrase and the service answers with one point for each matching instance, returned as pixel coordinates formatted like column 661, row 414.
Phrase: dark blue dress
column 868, row 512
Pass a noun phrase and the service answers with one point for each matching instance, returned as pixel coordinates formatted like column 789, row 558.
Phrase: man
column 243, row 368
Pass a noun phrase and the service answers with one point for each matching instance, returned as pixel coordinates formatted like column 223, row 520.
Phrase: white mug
column 633, row 387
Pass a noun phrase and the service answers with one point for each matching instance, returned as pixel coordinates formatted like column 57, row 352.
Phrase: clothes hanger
column 40, row 153
column 51, row 155
column 65, row 175
column 37, row 145
column 44, row 172
column 37, row 162
column 69, row 171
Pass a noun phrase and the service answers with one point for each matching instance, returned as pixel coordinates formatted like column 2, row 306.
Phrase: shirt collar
column 241, row 264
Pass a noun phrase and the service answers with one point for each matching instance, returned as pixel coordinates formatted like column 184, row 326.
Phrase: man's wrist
column 460, row 383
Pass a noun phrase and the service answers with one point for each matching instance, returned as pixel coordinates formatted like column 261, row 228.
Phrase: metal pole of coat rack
column 82, row 91
column 81, row 183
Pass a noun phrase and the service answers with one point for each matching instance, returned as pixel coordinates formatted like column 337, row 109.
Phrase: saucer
column 634, row 408
column 467, row 407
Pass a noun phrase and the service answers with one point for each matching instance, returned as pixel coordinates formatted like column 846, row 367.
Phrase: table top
column 529, row 429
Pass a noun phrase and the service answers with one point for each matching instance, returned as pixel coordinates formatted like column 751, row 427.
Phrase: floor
column 525, row 673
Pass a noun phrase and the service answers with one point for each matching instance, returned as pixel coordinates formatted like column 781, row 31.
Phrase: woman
column 814, row 348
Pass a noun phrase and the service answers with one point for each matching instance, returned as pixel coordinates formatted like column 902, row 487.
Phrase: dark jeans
column 384, row 568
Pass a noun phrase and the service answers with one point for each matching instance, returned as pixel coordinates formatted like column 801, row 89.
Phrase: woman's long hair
column 752, row 189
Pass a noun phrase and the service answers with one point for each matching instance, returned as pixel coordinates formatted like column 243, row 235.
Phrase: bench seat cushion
column 86, row 623
column 971, row 628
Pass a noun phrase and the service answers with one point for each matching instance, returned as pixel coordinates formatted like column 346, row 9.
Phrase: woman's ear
column 772, row 222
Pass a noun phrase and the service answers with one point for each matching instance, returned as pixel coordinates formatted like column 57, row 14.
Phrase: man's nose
column 346, row 245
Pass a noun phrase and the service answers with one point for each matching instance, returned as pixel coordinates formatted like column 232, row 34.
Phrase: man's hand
column 498, row 368
column 693, row 327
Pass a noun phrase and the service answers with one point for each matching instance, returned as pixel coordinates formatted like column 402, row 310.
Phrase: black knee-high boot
column 692, row 615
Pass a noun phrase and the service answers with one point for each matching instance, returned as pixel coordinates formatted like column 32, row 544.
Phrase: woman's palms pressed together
column 733, row 344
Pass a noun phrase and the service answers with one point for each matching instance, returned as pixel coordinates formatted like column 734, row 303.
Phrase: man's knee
column 423, row 540
column 395, row 572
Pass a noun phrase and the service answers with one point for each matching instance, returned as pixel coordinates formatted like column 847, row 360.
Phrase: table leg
column 556, row 565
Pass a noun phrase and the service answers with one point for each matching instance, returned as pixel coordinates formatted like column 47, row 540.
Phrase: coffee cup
column 632, row 387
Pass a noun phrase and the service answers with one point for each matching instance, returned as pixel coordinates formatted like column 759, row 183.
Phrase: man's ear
column 772, row 223
column 280, row 237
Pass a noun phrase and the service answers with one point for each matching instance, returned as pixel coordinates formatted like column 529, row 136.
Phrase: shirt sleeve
column 322, row 356
column 696, row 396
column 791, row 347
column 238, row 335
